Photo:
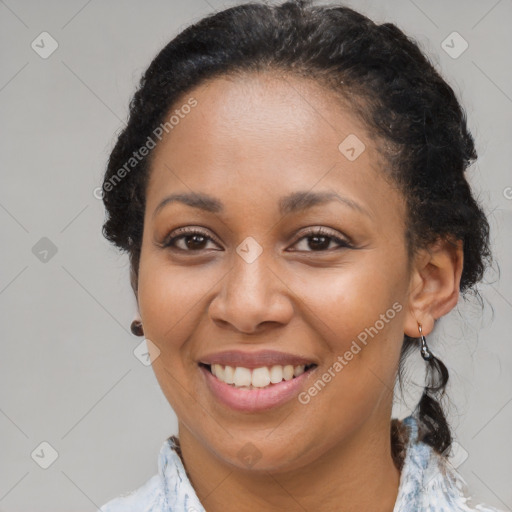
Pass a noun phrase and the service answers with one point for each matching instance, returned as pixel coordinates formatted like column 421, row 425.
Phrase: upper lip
column 254, row 359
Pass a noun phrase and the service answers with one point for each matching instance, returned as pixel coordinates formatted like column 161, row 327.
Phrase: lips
column 255, row 359
column 267, row 389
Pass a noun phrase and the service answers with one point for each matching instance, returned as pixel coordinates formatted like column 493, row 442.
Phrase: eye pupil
column 197, row 241
column 319, row 245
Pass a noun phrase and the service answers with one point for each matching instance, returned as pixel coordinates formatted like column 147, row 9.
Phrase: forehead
column 265, row 133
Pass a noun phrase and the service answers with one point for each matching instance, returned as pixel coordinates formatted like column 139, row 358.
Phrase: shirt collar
column 427, row 480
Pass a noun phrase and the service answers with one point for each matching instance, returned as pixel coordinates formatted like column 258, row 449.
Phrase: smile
column 255, row 390
column 262, row 377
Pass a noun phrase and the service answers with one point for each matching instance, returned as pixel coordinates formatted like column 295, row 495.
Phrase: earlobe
column 435, row 284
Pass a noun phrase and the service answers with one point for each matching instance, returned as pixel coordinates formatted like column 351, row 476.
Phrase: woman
column 290, row 190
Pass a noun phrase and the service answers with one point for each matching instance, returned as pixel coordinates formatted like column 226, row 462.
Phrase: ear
column 434, row 286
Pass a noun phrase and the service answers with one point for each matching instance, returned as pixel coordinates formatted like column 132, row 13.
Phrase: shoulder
column 147, row 498
column 430, row 481
column 168, row 490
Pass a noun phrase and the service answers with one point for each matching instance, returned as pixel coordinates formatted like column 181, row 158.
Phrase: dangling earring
column 425, row 352
column 136, row 328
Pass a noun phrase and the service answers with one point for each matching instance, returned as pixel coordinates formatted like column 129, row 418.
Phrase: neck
column 357, row 474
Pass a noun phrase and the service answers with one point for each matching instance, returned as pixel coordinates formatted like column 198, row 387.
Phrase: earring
column 136, row 328
column 425, row 352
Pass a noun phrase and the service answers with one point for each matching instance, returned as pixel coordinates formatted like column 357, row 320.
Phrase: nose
column 252, row 295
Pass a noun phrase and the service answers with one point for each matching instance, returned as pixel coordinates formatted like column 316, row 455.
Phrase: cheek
column 349, row 300
column 357, row 314
column 170, row 299
column 358, row 321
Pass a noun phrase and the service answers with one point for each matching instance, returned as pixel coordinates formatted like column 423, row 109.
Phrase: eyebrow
column 291, row 203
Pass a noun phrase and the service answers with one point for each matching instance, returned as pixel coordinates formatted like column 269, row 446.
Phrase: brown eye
column 194, row 241
column 320, row 240
column 190, row 239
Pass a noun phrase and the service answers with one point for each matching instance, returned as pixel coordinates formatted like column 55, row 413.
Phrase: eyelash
column 185, row 232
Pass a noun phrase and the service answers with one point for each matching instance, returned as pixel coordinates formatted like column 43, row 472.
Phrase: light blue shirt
column 428, row 483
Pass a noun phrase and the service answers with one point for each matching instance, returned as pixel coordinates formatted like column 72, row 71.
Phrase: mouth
column 255, row 381
column 260, row 378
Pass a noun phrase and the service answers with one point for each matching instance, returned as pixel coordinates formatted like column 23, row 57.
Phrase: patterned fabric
column 428, row 483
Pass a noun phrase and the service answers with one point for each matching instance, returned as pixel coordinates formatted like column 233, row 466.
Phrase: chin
column 248, row 453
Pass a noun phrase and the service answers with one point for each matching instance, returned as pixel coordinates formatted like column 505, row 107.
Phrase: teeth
column 288, row 372
column 298, row 370
column 229, row 373
column 242, row 377
column 276, row 374
column 218, row 371
column 258, row 377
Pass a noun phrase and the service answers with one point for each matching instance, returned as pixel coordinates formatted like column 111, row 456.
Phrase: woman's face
column 253, row 276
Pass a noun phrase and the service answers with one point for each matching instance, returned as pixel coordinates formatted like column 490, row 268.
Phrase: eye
column 320, row 239
column 193, row 239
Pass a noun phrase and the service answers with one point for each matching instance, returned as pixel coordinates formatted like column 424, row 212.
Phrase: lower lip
column 252, row 400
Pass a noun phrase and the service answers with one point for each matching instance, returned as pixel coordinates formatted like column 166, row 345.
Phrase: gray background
column 68, row 373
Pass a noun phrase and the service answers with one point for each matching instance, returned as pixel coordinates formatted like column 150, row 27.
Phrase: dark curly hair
column 412, row 113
